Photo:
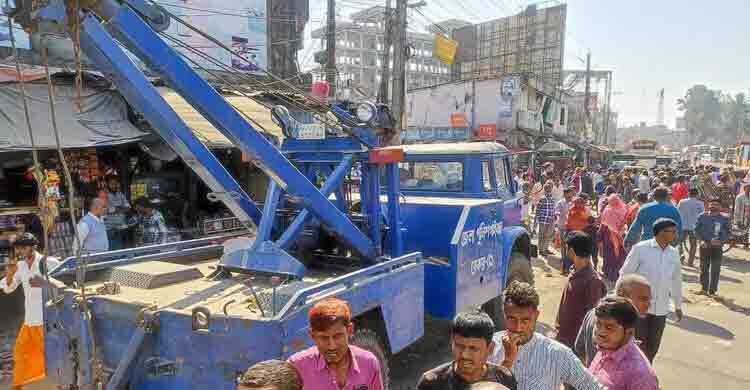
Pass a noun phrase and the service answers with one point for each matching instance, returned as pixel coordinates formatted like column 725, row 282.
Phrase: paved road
column 708, row 350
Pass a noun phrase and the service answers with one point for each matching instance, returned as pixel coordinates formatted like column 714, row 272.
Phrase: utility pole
column 587, row 95
column 399, row 68
column 385, row 73
column 608, row 108
column 330, row 68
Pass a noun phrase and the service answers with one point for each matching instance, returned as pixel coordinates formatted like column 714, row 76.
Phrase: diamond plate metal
column 153, row 274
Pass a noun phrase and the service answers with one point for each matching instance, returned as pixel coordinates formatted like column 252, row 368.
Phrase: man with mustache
column 471, row 344
column 620, row 364
column 632, row 286
column 334, row 364
column 537, row 362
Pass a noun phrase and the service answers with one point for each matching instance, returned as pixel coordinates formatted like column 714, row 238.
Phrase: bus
column 644, row 152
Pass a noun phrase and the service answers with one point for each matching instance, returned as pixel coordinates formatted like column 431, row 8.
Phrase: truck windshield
column 501, row 175
column 432, row 176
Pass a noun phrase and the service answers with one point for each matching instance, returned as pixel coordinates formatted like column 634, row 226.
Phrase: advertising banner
column 240, row 25
column 448, row 105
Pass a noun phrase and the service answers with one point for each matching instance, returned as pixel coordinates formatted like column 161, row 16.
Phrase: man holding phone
column 26, row 269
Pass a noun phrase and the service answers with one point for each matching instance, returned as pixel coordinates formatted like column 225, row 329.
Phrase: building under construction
column 530, row 43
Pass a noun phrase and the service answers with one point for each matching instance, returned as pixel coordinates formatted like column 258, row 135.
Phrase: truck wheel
column 368, row 339
column 519, row 268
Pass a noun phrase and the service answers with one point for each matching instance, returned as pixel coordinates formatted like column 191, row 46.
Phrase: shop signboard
column 487, row 131
column 510, row 86
column 436, row 134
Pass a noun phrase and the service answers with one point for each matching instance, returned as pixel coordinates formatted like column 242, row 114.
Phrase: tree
column 737, row 117
column 702, row 111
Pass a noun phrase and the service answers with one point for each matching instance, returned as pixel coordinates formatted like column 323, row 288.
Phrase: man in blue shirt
column 712, row 229
column 690, row 208
column 641, row 230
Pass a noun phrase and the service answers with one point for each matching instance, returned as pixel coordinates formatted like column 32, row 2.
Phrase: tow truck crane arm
column 129, row 28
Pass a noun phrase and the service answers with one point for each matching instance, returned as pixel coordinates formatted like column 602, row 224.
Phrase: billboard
column 476, row 109
column 448, row 105
column 240, row 25
column 494, row 107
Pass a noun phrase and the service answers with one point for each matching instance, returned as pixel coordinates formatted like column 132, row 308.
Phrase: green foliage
column 712, row 116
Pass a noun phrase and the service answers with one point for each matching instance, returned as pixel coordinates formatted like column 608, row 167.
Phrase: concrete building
column 359, row 54
column 530, row 43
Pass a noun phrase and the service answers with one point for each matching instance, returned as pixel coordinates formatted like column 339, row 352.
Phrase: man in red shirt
column 679, row 190
column 634, row 207
column 332, row 363
column 584, row 290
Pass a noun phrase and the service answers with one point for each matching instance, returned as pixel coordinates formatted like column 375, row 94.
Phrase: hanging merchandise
column 137, row 190
column 445, row 49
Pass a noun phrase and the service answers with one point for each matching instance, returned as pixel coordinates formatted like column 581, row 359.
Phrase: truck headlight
column 366, row 112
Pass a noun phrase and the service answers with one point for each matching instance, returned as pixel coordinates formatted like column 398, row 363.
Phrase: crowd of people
column 618, row 208
column 645, row 225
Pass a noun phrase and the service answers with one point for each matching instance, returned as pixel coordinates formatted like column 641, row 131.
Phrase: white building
column 359, row 54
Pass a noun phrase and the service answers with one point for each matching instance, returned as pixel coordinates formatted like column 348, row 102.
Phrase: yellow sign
column 445, row 49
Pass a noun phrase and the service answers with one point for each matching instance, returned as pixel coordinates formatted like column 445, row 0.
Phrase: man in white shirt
column 26, row 269
column 742, row 207
column 92, row 232
column 537, row 362
column 644, row 182
column 659, row 262
column 690, row 208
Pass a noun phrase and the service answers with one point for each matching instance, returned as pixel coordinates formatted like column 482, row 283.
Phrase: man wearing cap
column 26, row 269
column 334, row 364
column 657, row 261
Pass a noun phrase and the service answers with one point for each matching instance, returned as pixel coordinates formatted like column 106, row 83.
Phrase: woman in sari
column 579, row 218
column 611, row 232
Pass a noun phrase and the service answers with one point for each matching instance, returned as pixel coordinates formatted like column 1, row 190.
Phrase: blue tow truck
column 431, row 230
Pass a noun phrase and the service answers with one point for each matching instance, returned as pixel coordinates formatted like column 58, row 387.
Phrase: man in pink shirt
column 333, row 364
column 620, row 364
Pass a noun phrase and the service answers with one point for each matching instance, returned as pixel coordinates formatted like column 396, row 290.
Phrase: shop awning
column 205, row 131
column 101, row 120
column 555, row 146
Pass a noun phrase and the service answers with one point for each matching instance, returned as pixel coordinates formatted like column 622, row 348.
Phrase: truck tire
column 368, row 339
column 519, row 268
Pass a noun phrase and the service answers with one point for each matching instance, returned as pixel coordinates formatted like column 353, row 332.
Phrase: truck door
column 506, row 190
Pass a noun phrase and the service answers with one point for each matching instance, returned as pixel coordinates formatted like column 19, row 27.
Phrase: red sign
column 487, row 131
column 386, row 155
column 458, row 119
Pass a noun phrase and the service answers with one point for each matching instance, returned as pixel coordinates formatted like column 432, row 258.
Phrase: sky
column 648, row 44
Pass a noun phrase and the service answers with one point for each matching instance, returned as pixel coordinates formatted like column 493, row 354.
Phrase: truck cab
column 460, row 209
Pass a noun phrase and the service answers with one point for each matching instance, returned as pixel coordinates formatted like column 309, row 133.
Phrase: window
column 486, row 179
column 431, row 176
column 562, row 116
column 501, row 175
